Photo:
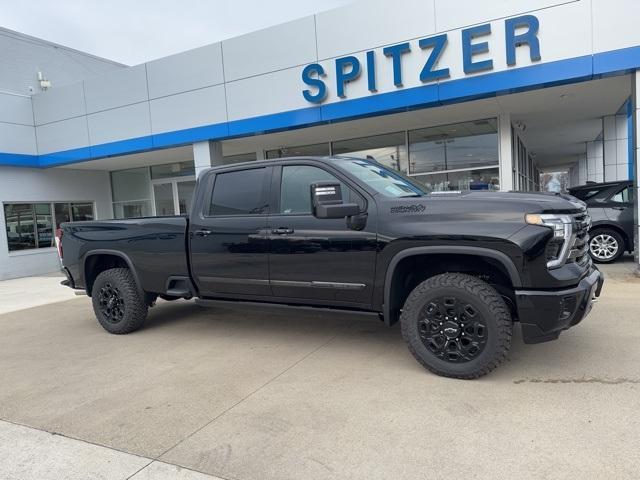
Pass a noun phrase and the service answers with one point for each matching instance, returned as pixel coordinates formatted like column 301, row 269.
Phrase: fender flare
column 501, row 257
column 115, row 253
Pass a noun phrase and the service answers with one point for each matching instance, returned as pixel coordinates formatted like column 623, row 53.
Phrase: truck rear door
column 227, row 233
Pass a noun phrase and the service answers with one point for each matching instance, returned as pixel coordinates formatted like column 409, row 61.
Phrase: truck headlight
column 559, row 246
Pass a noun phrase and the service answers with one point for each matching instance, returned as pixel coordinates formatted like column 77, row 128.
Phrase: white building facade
column 452, row 92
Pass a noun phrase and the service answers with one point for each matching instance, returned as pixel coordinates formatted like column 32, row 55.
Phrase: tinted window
column 623, row 196
column 295, row 190
column 239, row 193
column 586, row 193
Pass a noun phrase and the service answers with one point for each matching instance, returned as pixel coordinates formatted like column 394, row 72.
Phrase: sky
column 135, row 31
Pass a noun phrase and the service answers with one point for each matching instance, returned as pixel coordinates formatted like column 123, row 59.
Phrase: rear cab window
column 239, row 192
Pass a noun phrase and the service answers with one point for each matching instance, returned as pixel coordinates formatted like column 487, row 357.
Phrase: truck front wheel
column 457, row 325
column 116, row 301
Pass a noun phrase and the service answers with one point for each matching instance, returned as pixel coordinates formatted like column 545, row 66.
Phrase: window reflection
column 389, row 149
column 483, row 179
column 168, row 170
column 131, row 193
column 239, row 158
column 453, row 147
column 315, row 150
column 28, row 225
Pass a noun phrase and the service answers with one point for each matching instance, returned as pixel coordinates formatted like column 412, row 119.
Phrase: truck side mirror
column 326, row 201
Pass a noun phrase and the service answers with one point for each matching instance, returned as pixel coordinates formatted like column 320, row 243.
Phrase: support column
column 582, row 169
column 616, row 147
column 206, row 155
column 635, row 159
column 506, row 152
column 260, row 155
column 595, row 161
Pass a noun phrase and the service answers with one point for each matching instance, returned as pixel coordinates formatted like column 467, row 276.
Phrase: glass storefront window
column 62, row 213
column 81, row 212
column 453, row 147
column 315, row 150
column 28, row 225
column 185, row 195
column 72, row 212
column 169, row 170
column 389, row 149
column 475, row 179
column 242, row 157
column 131, row 190
column 163, row 195
column 44, row 225
column 132, row 209
column 146, row 191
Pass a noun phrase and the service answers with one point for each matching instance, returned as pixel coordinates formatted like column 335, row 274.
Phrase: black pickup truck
column 457, row 269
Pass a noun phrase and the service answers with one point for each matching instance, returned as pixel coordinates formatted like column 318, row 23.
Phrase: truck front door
column 227, row 234
column 318, row 259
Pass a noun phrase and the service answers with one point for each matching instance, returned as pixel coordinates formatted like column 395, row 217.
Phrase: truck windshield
column 382, row 179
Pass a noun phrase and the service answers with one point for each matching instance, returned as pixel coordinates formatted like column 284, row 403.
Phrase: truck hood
column 490, row 209
column 539, row 201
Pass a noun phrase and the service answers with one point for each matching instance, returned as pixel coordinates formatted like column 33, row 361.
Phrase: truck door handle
column 202, row 233
column 282, row 231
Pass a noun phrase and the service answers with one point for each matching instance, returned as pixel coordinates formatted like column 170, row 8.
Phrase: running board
column 208, row 302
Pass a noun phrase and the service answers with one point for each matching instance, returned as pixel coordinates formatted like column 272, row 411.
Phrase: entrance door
column 313, row 258
column 173, row 196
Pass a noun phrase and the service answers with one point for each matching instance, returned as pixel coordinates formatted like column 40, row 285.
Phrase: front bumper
column 544, row 314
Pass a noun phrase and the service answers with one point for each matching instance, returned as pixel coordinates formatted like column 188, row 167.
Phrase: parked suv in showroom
column 611, row 207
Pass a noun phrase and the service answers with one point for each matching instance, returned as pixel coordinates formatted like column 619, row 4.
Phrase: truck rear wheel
column 457, row 325
column 116, row 301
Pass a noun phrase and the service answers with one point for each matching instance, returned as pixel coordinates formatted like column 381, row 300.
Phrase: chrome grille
column 579, row 252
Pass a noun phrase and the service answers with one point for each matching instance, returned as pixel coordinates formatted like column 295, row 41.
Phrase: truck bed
column 157, row 247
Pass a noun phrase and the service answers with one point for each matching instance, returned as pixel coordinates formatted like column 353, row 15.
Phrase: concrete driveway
column 283, row 394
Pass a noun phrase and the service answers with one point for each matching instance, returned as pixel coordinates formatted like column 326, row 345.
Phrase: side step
column 178, row 292
column 211, row 302
column 180, row 287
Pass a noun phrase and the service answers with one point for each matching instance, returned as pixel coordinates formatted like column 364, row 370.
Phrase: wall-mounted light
column 44, row 83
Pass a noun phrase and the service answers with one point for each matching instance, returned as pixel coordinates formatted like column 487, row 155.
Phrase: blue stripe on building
column 588, row 67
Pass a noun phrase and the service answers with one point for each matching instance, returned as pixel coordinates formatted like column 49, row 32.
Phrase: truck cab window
column 239, row 193
column 295, row 189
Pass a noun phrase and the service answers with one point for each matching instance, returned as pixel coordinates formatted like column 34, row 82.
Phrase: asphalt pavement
column 255, row 394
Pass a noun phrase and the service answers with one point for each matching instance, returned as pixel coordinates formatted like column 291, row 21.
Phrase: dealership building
column 455, row 93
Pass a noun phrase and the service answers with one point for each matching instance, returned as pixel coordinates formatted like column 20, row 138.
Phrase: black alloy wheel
column 111, row 303
column 118, row 303
column 452, row 329
column 457, row 325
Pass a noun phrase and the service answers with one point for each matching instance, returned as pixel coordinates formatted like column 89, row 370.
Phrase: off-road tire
column 598, row 232
column 130, row 305
column 471, row 291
